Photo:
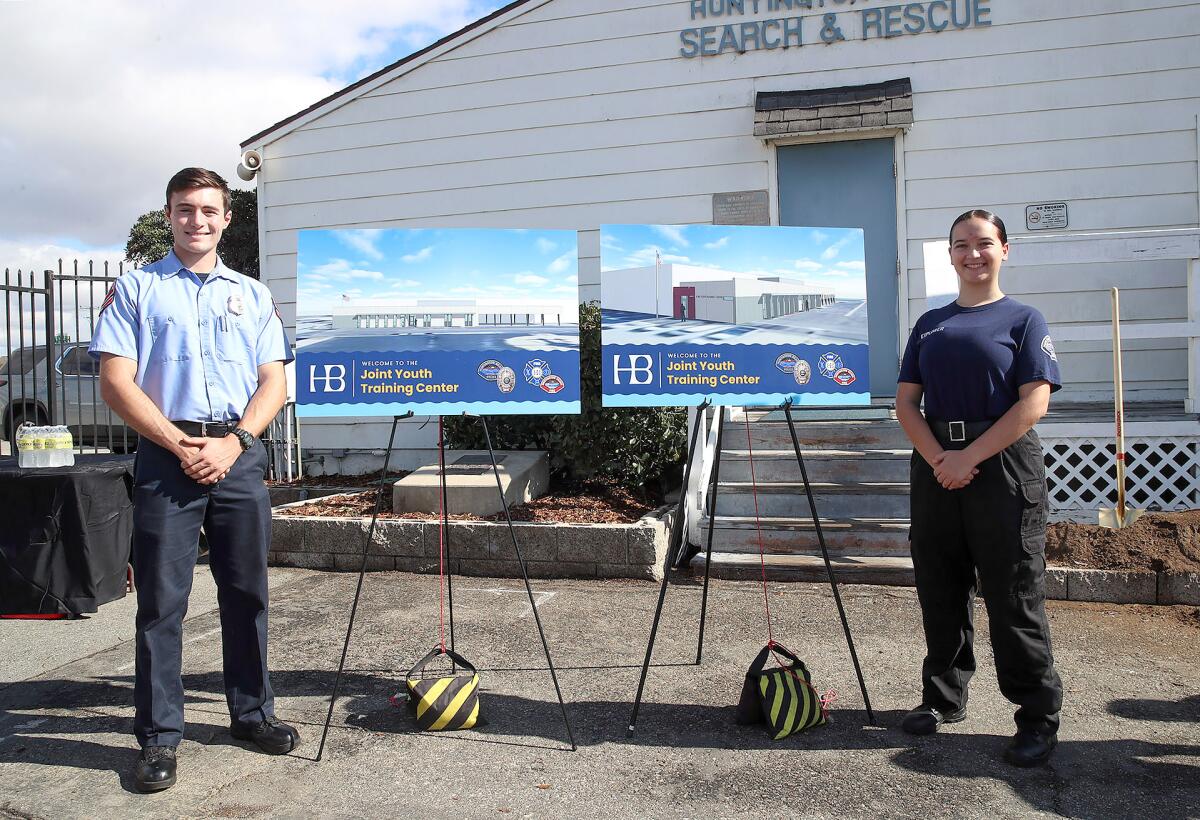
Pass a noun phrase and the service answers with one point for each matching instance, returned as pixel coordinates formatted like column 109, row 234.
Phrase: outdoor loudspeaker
column 249, row 164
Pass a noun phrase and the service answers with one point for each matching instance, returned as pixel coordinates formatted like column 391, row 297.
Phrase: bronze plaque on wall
column 741, row 208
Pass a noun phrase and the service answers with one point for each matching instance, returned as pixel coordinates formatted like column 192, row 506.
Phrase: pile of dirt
column 591, row 504
column 1157, row 541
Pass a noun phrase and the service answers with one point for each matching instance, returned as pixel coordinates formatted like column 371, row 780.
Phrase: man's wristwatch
column 244, row 437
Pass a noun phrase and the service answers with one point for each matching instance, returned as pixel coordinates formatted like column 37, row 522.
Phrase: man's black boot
column 155, row 769
column 271, row 735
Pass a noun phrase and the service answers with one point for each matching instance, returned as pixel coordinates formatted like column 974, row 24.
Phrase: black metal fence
column 48, row 378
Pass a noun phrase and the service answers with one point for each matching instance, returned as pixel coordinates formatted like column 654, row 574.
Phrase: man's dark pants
column 169, row 509
column 996, row 527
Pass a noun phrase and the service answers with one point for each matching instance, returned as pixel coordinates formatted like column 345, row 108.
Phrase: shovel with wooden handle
column 1121, row 516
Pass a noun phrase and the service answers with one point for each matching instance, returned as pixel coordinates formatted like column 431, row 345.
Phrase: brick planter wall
column 476, row 547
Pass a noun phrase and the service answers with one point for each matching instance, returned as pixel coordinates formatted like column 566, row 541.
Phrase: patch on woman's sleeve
column 1048, row 348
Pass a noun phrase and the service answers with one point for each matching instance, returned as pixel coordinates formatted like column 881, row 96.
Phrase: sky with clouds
column 832, row 258
column 401, row 264
column 104, row 101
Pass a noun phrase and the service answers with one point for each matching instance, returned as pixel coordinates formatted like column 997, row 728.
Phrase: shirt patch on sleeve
column 1048, row 348
column 108, row 298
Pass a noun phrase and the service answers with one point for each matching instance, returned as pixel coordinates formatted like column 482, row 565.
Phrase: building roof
column 416, row 55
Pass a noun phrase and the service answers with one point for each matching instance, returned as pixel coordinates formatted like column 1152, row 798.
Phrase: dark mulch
column 590, row 504
column 1157, row 541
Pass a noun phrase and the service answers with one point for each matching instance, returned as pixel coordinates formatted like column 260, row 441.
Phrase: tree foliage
column 636, row 448
column 150, row 236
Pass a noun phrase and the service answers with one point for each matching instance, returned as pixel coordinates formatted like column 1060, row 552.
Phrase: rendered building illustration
column 707, row 294
column 450, row 313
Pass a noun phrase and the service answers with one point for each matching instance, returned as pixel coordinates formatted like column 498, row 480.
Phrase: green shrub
column 637, row 448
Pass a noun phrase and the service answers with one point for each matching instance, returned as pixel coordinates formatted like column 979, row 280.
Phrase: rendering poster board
column 437, row 321
column 737, row 315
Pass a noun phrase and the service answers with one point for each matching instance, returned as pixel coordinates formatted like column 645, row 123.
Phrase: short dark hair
column 986, row 216
column 191, row 178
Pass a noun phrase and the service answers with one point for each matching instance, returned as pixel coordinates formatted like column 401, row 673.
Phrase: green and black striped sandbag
column 782, row 697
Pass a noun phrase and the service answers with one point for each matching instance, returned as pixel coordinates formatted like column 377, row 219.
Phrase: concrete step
column 869, row 536
column 823, row 465
column 882, row 499
column 818, row 435
column 847, row 569
column 806, row 414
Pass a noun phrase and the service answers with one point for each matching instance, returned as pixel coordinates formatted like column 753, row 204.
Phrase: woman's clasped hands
column 954, row 469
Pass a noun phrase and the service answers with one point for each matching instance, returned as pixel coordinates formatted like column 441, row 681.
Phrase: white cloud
column 46, row 255
column 573, row 279
column 644, row 257
column 859, row 266
column 672, row 233
column 544, row 245
column 836, row 248
column 340, row 270
column 717, row 244
column 562, row 263
column 362, row 241
column 808, row 264
column 135, row 91
column 530, row 279
column 419, row 256
column 819, row 237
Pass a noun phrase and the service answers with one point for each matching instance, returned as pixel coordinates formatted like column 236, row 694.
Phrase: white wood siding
column 579, row 112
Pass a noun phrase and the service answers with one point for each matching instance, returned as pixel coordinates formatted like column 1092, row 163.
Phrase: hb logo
column 640, row 369
column 335, row 374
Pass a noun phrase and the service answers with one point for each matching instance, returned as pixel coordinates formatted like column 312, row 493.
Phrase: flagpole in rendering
column 657, row 265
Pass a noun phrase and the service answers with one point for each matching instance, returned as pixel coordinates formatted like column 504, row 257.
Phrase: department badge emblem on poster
column 735, row 315
column 438, row 321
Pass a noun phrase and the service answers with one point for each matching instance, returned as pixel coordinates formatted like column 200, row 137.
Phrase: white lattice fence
column 1162, row 473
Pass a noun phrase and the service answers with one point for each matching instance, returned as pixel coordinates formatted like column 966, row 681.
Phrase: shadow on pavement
column 515, row 720
column 1187, row 709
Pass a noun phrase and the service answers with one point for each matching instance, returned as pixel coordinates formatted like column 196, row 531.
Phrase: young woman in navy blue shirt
column 985, row 366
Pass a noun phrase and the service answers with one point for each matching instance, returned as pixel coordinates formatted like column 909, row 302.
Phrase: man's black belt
column 958, row 432
column 206, row 429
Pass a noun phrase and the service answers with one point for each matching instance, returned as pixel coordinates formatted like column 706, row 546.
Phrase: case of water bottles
column 45, row 446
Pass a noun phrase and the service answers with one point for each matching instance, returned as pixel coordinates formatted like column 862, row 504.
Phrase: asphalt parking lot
column 1129, row 746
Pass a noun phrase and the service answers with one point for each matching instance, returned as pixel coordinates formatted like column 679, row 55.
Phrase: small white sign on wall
column 1046, row 216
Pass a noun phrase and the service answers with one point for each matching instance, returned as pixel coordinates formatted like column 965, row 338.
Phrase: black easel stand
column 449, row 575
column 362, row 571
column 676, row 544
column 528, row 589
column 837, row 597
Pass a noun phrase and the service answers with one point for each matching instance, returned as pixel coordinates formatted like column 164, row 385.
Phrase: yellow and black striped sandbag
column 783, row 697
column 448, row 701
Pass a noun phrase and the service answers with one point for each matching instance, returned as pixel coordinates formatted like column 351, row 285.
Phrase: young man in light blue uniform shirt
column 192, row 356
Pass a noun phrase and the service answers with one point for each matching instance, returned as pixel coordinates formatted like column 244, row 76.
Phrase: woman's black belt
column 958, row 431
column 206, row 429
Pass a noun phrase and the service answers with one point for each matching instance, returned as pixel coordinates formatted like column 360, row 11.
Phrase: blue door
column 852, row 185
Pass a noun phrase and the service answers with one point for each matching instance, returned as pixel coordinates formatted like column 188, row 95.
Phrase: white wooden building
column 1076, row 121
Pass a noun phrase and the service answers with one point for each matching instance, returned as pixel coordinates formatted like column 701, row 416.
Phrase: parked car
column 77, row 402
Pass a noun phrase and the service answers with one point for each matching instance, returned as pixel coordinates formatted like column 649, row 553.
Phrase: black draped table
column 65, row 535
